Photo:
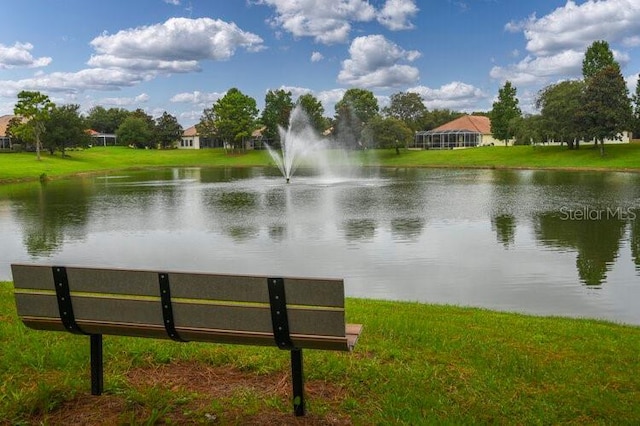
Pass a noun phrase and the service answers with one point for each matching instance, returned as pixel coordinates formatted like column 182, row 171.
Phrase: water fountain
column 299, row 144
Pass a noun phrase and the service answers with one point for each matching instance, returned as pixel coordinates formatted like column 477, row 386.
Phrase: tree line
column 594, row 108
column 358, row 121
column 45, row 125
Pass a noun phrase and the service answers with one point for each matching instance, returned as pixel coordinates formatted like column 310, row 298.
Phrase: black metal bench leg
column 298, row 382
column 96, row 364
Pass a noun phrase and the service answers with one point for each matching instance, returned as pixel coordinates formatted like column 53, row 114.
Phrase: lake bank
column 414, row 363
column 17, row 167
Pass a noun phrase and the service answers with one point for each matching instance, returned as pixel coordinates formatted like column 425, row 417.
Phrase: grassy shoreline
column 16, row 167
column 415, row 364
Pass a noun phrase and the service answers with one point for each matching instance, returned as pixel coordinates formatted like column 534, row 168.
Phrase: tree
column 35, row 107
column 389, row 132
column 362, row 102
column 408, row 107
column 135, row 131
column 607, row 108
column 13, row 131
column 234, row 117
column 505, row 109
column 206, row 127
column 527, row 129
column 277, row 110
column 140, row 113
column 167, row 130
column 597, row 57
column 636, row 110
column 437, row 117
column 106, row 120
column 353, row 111
column 315, row 112
column 561, row 108
column 65, row 128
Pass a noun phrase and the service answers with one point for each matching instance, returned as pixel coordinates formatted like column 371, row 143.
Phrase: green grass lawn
column 414, row 364
column 24, row 166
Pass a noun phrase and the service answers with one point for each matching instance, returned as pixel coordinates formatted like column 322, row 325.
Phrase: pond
column 539, row 242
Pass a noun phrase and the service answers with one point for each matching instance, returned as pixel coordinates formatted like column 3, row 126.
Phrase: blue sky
column 181, row 55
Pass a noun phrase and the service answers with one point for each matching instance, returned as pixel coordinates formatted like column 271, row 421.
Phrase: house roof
column 475, row 123
column 4, row 122
column 189, row 132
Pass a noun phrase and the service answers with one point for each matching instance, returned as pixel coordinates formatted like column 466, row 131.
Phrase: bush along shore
column 414, row 364
column 24, row 166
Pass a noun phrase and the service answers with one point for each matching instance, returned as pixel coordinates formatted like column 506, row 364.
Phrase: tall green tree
column 408, row 107
column 607, row 108
column 597, row 57
column 167, row 130
column 561, row 108
column 527, row 129
column 206, row 127
column 135, row 131
column 36, row 108
column 363, row 103
column 636, row 111
column 235, row 117
column 315, row 112
column 353, row 112
column 105, row 120
column 504, row 111
column 277, row 110
column 65, row 128
column 388, row 132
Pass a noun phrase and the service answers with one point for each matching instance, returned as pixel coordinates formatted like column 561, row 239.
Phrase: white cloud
column 19, row 55
column 316, row 57
column 532, row 69
column 556, row 42
column 174, row 46
column 124, row 101
column 455, row 95
column 631, row 41
column 135, row 64
column 74, row 82
column 374, row 63
column 196, row 97
column 577, row 26
column 632, row 81
column 395, row 14
column 327, row 21
column 132, row 56
column 173, row 2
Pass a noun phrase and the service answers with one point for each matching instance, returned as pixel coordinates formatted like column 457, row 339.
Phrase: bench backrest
column 202, row 307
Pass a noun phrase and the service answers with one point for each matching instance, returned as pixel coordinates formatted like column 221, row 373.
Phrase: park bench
column 290, row 313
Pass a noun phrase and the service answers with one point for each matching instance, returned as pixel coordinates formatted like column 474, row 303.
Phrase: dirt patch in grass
column 197, row 393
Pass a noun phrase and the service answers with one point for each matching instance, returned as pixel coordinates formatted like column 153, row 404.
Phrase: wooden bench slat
column 241, row 318
column 308, row 291
column 201, row 335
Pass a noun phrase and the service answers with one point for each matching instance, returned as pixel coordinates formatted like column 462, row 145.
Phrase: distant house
column 102, row 139
column 5, row 140
column 190, row 139
column 463, row 132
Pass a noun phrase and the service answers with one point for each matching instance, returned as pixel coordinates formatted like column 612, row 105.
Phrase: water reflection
column 51, row 213
column 597, row 241
column 505, row 227
column 481, row 237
